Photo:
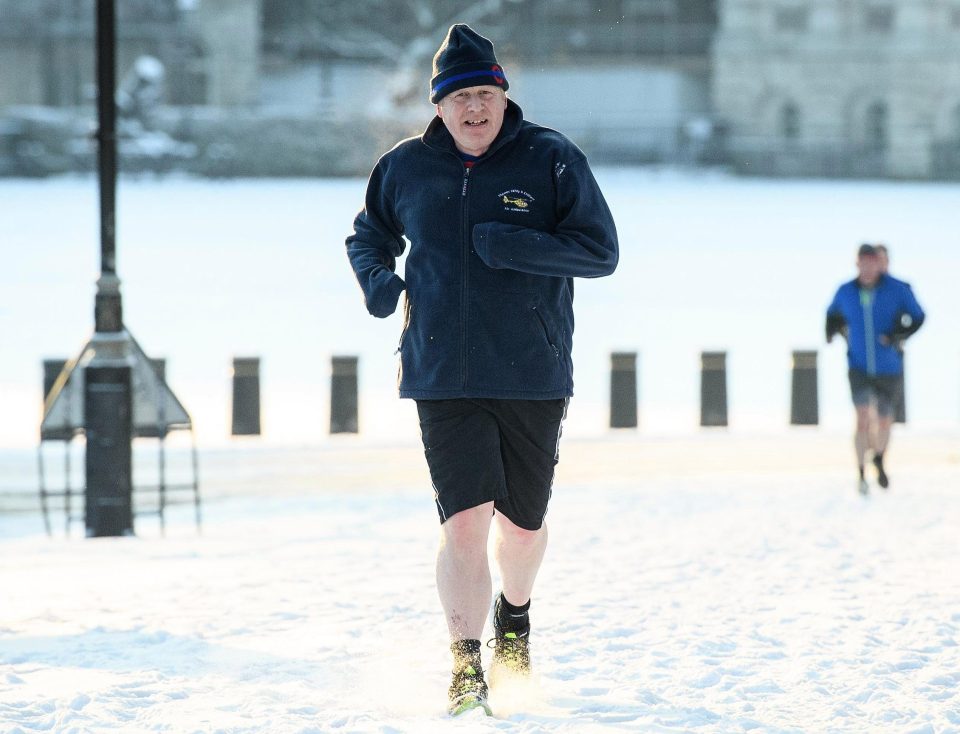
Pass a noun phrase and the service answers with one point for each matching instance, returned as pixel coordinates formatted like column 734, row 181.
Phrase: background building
column 840, row 87
column 624, row 78
column 318, row 87
column 209, row 50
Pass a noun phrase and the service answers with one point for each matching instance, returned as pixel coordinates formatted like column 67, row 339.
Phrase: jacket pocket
column 510, row 346
column 430, row 343
column 551, row 342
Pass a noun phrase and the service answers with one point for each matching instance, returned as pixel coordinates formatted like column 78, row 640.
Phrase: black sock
column 861, row 472
column 511, row 618
column 878, row 459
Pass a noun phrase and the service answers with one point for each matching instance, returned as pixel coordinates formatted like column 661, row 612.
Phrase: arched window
column 877, row 126
column 790, row 121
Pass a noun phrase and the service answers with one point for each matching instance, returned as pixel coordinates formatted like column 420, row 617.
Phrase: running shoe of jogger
column 875, row 313
column 511, row 641
column 501, row 215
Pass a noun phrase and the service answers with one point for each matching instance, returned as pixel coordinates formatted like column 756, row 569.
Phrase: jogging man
column 501, row 214
column 899, row 410
column 875, row 314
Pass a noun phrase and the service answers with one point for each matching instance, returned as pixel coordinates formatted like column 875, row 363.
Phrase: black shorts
column 886, row 390
column 482, row 450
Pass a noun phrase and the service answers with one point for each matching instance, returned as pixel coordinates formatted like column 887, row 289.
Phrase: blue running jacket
column 864, row 315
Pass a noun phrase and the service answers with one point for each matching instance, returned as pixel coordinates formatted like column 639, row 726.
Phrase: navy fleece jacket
column 493, row 253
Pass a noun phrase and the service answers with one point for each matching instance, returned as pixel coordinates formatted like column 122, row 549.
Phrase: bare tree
column 401, row 34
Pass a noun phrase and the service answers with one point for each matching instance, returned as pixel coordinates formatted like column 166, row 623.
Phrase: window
column 877, row 123
column 879, row 18
column 790, row 121
column 791, row 18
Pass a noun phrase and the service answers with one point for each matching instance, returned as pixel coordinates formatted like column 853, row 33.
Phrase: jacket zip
column 464, row 265
column 866, row 301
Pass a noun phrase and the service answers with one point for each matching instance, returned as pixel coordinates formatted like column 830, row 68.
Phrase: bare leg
column 884, row 424
column 519, row 553
column 861, row 439
column 463, row 572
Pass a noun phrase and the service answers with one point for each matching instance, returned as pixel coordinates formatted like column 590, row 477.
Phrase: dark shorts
column 886, row 390
column 503, row 451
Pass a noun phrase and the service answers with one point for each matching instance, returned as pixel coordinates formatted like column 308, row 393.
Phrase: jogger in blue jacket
column 875, row 313
column 501, row 215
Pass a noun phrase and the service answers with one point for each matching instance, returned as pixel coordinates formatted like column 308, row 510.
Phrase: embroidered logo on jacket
column 516, row 200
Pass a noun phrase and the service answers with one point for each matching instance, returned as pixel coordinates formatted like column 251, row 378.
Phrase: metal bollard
column 900, row 415
column 246, row 396
column 713, row 389
column 623, row 390
column 804, row 402
column 108, row 425
column 344, row 400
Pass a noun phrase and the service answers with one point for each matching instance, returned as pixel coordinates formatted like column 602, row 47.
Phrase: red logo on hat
column 497, row 73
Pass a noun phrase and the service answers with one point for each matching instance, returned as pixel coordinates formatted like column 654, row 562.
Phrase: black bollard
column 713, row 389
column 344, row 401
column 623, row 390
column 804, row 403
column 246, row 396
column 900, row 415
column 108, row 509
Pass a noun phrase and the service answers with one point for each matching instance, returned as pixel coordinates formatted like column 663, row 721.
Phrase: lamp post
column 107, row 394
column 108, row 314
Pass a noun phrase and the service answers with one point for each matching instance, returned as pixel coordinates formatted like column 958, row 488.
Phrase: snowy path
column 691, row 585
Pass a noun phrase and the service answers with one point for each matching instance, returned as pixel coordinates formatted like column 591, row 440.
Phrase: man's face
column 868, row 267
column 473, row 116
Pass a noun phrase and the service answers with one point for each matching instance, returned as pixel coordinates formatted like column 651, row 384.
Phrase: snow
column 709, row 583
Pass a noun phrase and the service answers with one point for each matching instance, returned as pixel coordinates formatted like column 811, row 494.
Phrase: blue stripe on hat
column 495, row 73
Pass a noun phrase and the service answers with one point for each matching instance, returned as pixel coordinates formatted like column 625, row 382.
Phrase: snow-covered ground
column 716, row 583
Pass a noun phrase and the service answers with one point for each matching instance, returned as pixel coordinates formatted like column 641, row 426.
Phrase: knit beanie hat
column 464, row 59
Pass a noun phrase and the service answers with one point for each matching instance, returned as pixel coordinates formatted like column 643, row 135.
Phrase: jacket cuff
column 387, row 297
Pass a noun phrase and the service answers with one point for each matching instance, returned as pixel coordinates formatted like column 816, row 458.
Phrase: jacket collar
column 881, row 281
column 437, row 136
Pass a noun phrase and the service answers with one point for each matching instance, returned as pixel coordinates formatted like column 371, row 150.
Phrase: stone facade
column 230, row 33
column 840, row 87
column 209, row 48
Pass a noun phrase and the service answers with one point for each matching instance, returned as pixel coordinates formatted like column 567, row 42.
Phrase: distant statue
column 141, row 92
column 143, row 143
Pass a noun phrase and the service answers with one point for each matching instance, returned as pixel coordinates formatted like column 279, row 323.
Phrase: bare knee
column 863, row 419
column 516, row 535
column 468, row 528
